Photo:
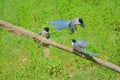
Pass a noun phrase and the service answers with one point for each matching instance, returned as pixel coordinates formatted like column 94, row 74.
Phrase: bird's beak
column 83, row 25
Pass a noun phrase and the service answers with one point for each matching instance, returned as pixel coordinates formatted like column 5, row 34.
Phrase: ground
column 21, row 59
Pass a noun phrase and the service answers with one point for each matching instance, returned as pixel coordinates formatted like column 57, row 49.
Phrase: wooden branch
column 29, row 34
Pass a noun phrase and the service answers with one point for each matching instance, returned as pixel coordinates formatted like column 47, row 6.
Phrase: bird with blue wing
column 62, row 24
column 80, row 45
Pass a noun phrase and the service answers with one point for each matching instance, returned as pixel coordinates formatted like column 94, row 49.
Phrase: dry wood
column 29, row 34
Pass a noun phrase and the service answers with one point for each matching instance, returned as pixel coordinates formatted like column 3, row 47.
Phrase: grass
column 20, row 59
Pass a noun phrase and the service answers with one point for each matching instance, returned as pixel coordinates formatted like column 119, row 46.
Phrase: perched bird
column 61, row 24
column 45, row 33
column 80, row 45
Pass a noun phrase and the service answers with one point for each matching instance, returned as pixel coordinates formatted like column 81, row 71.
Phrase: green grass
column 20, row 59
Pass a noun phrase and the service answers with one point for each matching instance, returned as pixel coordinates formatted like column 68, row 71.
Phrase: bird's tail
column 46, row 51
column 90, row 53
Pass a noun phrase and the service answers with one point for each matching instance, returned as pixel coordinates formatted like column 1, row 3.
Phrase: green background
column 20, row 59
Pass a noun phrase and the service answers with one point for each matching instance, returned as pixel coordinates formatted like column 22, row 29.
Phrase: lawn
column 21, row 59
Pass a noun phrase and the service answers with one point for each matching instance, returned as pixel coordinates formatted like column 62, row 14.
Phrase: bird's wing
column 82, row 43
column 71, row 26
column 77, row 47
column 45, row 34
column 59, row 24
column 48, row 35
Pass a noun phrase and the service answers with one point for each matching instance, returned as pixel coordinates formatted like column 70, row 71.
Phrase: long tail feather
column 46, row 51
column 90, row 53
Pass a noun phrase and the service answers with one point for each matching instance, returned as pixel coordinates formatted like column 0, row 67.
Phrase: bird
column 61, row 24
column 80, row 45
column 45, row 33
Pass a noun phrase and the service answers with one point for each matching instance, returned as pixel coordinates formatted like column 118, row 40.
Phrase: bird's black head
column 46, row 29
column 73, row 40
column 81, row 22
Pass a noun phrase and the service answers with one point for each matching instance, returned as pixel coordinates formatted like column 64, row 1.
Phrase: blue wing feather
column 59, row 24
column 82, row 43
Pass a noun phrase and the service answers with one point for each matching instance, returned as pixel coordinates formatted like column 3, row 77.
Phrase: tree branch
column 29, row 34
